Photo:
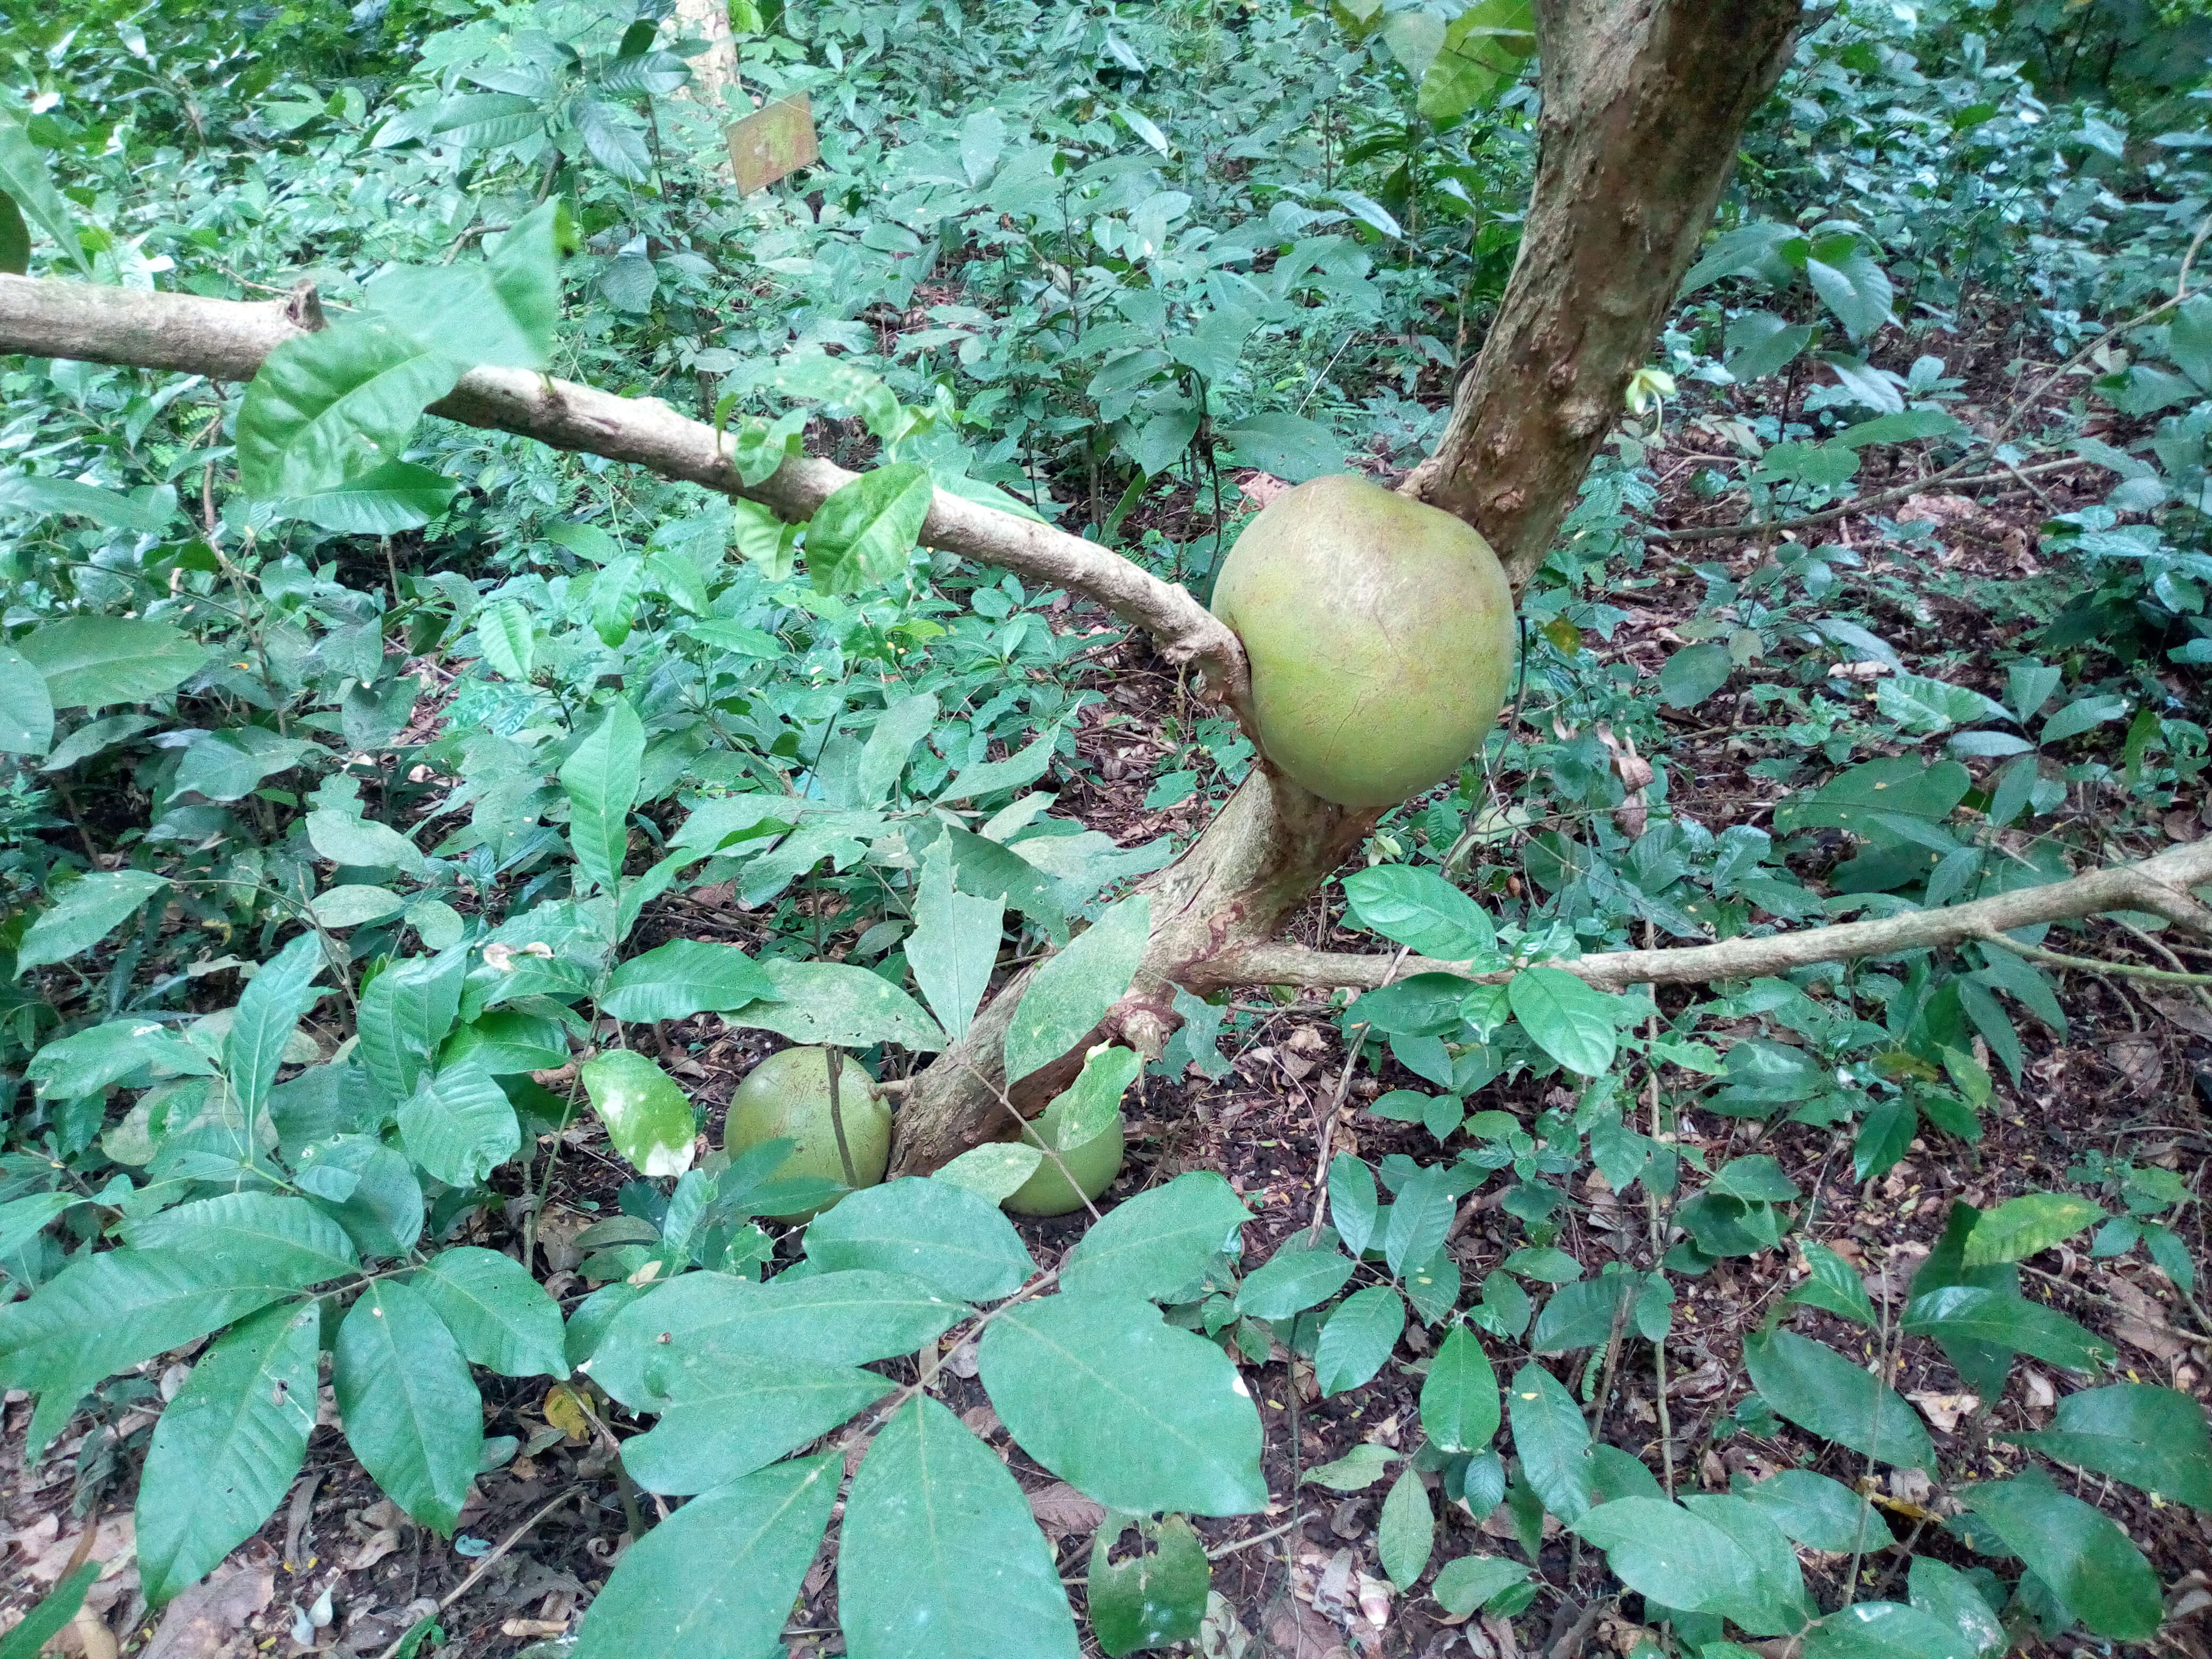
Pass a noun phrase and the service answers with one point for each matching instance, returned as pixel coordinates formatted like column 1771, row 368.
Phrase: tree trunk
column 714, row 71
column 1261, row 858
column 1644, row 101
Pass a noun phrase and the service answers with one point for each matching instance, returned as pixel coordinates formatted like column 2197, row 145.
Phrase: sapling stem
column 835, row 1059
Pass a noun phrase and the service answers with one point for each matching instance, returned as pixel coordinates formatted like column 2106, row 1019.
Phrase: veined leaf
column 1818, row 1389
column 647, row 1114
column 1125, row 1407
column 601, row 779
column 2021, row 1227
column 1158, row 1243
column 725, row 1414
column 1070, row 991
column 2083, row 1556
column 938, row 1557
column 501, row 1315
column 90, row 662
column 1421, row 910
column 1554, row 1443
column 683, row 978
column 24, row 177
column 1459, row 1397
column 955, row 942
column 716, row 1579
column 26, row 709
column 1293, row 1279
column 412, row 1413
column 329, row 406
column 291, row 1239
column 863, row 533
column 384, row 501
column 836, row 1002
column 936, row 1231
column 88, row 909
column 1357, row 1339
column 228, row 1447
column 269, row 1011
column 1570, row 1020
column 2153, row 1438
column 507, row 638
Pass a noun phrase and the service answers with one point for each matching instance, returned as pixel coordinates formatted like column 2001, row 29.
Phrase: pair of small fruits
column 787, row 1096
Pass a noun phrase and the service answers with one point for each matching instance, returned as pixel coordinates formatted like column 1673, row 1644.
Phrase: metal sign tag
column 772, row 142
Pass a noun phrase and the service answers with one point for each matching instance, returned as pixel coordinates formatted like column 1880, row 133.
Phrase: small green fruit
column 788, row 1095
column 1094, row 1164
column 1381, row 636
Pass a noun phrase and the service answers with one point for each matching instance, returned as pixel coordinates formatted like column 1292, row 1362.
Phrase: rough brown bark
column 1644, row 103
column 1262, row 857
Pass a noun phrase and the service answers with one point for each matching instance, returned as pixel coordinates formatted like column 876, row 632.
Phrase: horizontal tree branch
column 2160, row 885
column 228, row 339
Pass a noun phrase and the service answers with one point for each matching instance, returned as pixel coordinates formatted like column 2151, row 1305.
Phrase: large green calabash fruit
column 1381, row 636
column 1094, row 1164
column 787, row 1094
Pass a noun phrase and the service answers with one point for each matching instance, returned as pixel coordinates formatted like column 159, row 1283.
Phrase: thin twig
column 2092, row 965
column 835, row 1057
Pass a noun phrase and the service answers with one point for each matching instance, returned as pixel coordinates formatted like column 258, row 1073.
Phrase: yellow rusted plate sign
column 772, row 142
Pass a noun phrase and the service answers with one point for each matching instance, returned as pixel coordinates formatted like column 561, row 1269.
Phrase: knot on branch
column 303, row 307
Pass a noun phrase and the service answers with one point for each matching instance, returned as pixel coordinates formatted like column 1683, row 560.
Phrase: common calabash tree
column 1362, row 638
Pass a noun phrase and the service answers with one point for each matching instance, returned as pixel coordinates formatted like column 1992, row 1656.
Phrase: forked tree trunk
column 1643, row 103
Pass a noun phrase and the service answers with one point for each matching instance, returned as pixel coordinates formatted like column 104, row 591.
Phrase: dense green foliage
column 351, row 757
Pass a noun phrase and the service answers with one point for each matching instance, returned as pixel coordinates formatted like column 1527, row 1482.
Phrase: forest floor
column 1303, row 1579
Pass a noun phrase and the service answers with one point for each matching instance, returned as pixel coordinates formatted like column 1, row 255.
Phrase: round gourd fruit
column 788, row 1095
column 1381, row 636
column 1094, row 1164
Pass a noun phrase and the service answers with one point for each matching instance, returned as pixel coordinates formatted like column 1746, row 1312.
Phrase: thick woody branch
column 2160, row 885
column 227, row 340
column 1643, row 103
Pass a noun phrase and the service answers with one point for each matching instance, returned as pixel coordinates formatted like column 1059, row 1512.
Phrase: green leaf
column 2153, row 1438
column 269, row 1011
column 1694, row 673
column 996, row 1170
column 288, row 1238
column 1472, row 1581
column 105, row 1313
column 717, row 1578
column 1569, row 1020
column 1898, row 800
column 229, row 765
column 405, row 1013
column 2005, row 1319
column 1459, row 1397
column 835, row 1002
column 1407, row 1531
column 1818, row 1389
column 459, row 1125
column 1951, row 1596
column 1688, row 1559
column 954, row 945
column 1832, row 1284
column 1817, row 1512
column 683, row 978
column 938, row 1557
column 601, row 780
column 228, row 1447
column 15, row 240
column 2021, row 1227
column 2085, row 1559
column 500, row 312
column 1886, row 1630
column 1070, row 993
column 1152, row 1600
column 1158, row 1243
column 845, row 1318
column 331, row 405
column 26, row 711
column 1553, row 1440
column 1421, row 910
column 147, row 510
column 412, row 1413
column 2083, row 714
column 1293, row 1279
column 501, row 1316
column 89, row 909
column 1758, row 1179
column 507, row 1042
column 1351, row 1203
column 1357, row 1339
column 1758, row 342
column 1356, row 1470
column 1855, row 286
column 22, row 1219
column 647, row 1114
column 1418, row 1220
column 1481, row 55
column 30, row 1635
column 355, row 842
column 940, row 1234
column 1124, row 1407
column 615, row 591
column 904, row 723
column 91, row 661
column 725, row 1414
column 385, row 500
column 507, row 638
column 1290, row 446
column 861, row 535
column 24, row 176
column 1089, row 1107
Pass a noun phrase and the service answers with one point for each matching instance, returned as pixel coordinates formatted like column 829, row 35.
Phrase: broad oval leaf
column 289, row 1236
column 2024, row 1226
column 1407, row 1530
column 329, row 406
column 1418, row 908
column 938, row 1557
column 90, row 662
column 2085, row 1558
column 1569, row 1020
column 1358, row 1338
column 1460, row 1397
column 726, row 1414
column 86, row 911
column 934, row 1230
column 863, row 533
column 1818, row 1389
column 1068, row 995
column 2153, row 1438
column 1554, row 1443
column 412, row 1413
column 716, row 1579
column 1158, row 1243
column 836, row 1002
column 1293, row 1279
column 1124, row 1407
column 647, row 1114
column 683, row 978
column 228, row 1447
column 501, row 1315
column 27, row 708
column 460, row 1125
